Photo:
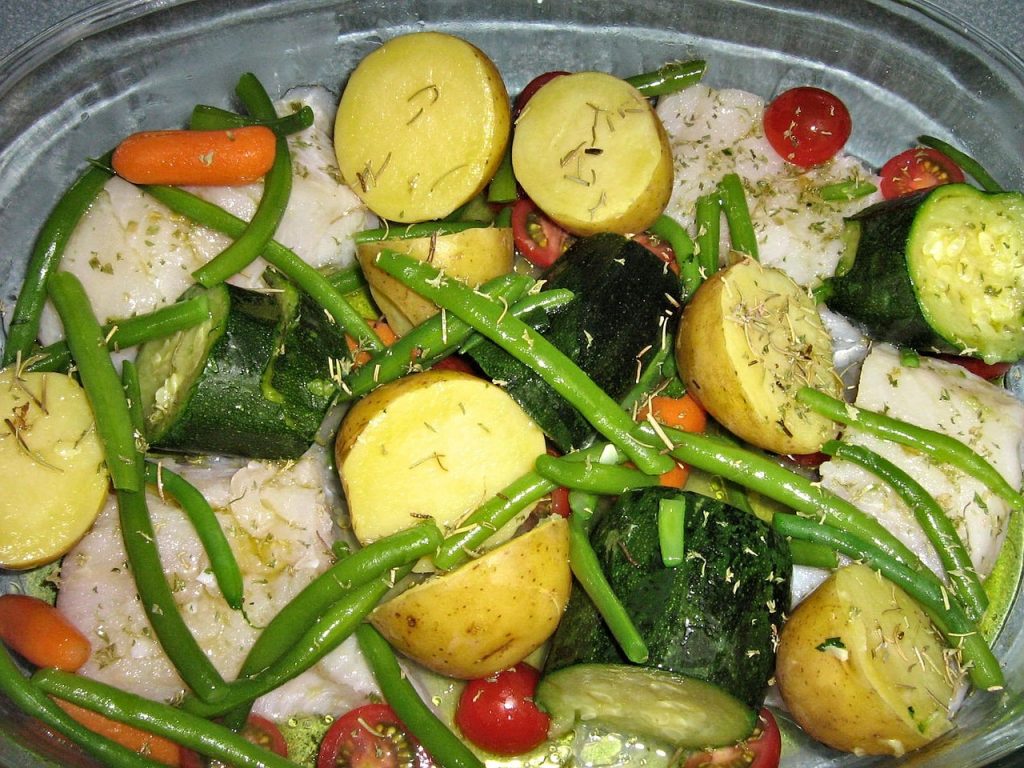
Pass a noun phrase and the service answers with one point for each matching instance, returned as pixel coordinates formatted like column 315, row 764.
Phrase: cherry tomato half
column 659, row 248
column 531, row 88
column 371, row 736
column 807, row 126
column 497, row 713
column 257, row 729
column 762, row 750
column 536, row 237
column 920, row 168
column 978, row 367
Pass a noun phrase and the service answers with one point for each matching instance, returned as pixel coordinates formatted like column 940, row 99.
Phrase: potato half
column 489, row 614
column 747, row 342
column 422, row 126
column 53, row 465
column 861, row 668
column 473, row 256
column 437, row 444
column 592, row 154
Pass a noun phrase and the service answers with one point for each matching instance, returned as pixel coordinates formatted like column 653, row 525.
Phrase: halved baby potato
column 52, row 462
column 422, row 126
column 473, row 256
column 489, row 614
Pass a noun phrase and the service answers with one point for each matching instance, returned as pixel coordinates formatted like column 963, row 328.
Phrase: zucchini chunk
column 941, row 268
column 714, row 618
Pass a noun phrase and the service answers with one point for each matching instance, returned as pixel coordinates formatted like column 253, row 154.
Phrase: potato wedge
column 422, row 126
column 591, row 153
column 489, row 614
column 861, row 668
column 747, row 342
column 474, row 256
column 438, row 444
column 52, row 460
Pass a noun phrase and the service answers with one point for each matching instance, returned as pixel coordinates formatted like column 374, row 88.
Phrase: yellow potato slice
column 747, row 342
column 861, row 668
column 489, row 614
column 591, row 153
column 437, row 444
column 473, row 256
column 52, row 463
column 422, row 126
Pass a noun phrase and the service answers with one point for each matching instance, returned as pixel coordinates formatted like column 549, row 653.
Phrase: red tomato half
column 807, row 126
column 258, row 730
column 978, row 367
column 531, row 88
column 497, row 713
column 659, row 248
column 762, row 750
column 536, row 237
column 921, row 168
column 371, row 736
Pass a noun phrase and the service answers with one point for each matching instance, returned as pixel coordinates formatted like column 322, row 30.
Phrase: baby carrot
column 202, row 158
column 683, row 413
column 156, row 748
column 41, row 634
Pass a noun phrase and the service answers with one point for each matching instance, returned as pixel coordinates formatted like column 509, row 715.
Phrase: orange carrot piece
column 675, row 478
column 384, row 332
column 147, row 744
column 41, row 634
column 683, row 413
column 200, row 158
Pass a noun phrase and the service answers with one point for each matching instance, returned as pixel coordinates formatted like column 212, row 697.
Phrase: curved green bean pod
column 99, row 379
column 737, row 215
column 491, row 319
column 545, row 301
column 949, row 617
column 34, row 702
column 967, row 163
column 204, row 521
column 412, row 231
column 933, row 521
column 45, row 257
column 207, row 118
column 935, row 444
column 672, row 77
column 672, row 232
column 196, row 733
column 708, row 225
column 602, row 479
column 445, row 747
column 277, row 187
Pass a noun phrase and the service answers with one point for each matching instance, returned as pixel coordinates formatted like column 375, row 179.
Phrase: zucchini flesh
column 941, row 268
column 623, row 295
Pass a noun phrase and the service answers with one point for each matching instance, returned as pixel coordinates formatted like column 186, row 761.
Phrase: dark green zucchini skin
column 622, row 296
column 715, row 617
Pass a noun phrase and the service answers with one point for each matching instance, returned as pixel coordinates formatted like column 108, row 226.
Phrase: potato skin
column 747, row 341
column 861, row 668
column 486, row 615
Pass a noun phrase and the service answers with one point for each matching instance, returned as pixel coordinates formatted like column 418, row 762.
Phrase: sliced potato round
column 473, row 256
column 489, row 614
column 748, row 341
column 422, row 126
column 437, row 444
column 591, row 153
column 861, row 668
column 53, row 465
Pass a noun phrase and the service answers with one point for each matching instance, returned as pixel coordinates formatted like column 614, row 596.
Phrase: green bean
column 503, row 218
column 100, row 380
column 524, row 308
column 671, row 231
column 672, row 531
column 812, row 554
column 923, row 586
column 204, row 521
column 669, row 78
column 412, row 231
column 708, row 224
column 34, row 702
column 195, row 733
column 846, row 190
column 445, row 747
column 277, row 187
column 588, row 572
column 133, row 396
column 207, row 118
column 737, row 215
column 45, row 257
column 502, row 188
column 121, row 334
column 583, row 505
column 760, row 474
column 937, row 526
column 965, row 161
column 333, row 627
column 347, row 280
column 938, row 446
column 649, row 377
column 490, row 319
column 284, row 259
column 602, row 479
